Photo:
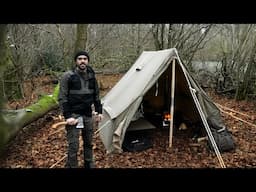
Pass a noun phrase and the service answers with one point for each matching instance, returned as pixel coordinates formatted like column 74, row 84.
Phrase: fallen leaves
column 40, row 146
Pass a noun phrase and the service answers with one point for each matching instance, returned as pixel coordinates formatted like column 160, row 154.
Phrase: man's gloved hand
column 71, row 121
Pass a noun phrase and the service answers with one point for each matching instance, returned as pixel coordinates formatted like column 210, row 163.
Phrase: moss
column 19, row 119
column 56, row 92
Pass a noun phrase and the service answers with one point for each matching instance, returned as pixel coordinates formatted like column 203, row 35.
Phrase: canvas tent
column 156, row 81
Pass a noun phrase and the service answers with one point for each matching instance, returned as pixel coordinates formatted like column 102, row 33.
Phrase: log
column 11, row 121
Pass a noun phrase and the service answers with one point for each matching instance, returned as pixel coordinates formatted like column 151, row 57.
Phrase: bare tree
column 186, row 38
column 117, row 46
column 238, row 56
column 158, row 31
column 81, row 37
column 3, row 63
column 5, row 59
column 3, row 53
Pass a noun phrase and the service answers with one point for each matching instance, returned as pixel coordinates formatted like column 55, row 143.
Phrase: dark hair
column 81, row 53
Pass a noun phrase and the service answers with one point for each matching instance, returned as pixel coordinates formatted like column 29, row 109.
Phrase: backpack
column 223, row 139
column 134, row 142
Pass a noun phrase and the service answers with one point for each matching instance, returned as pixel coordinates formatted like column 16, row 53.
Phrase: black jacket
column 78, row 91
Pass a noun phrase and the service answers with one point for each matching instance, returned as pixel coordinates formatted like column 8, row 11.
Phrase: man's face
column 81, row 62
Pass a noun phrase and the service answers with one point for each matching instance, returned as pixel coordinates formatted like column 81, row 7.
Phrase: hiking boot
column 89, row 165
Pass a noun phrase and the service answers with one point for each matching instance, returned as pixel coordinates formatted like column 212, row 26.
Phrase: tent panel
column 136, row 82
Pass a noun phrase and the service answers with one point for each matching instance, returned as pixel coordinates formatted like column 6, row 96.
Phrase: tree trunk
column 3, row 63
column 13, row 120
column 158, row 34
column 3, row 58
column 81, row 37
column 242, row 88
column 3, row 52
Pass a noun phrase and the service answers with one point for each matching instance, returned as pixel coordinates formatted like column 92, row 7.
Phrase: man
column 78, row 91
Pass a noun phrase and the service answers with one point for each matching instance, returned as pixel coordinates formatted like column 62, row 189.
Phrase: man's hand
column 71, row 121
column 99, row 117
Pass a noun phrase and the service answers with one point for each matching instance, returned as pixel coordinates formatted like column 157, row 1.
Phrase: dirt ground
column 38, row 145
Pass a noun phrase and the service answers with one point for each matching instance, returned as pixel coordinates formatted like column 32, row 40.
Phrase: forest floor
column 38, row 145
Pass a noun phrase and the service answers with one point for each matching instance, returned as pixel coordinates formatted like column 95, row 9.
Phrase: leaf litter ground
column 38, row 145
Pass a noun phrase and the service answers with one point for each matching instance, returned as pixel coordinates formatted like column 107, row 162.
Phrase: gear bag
column 137, row 141
column 223, row 139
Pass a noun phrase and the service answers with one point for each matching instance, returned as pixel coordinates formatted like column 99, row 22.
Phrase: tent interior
column 157, row 102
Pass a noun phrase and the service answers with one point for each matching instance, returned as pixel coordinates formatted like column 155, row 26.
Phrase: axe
column 55, row 125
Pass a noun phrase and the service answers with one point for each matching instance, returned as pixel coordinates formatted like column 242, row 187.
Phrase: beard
column 82, row 66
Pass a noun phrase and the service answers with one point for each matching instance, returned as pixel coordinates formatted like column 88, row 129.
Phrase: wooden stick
column 172, row 103
column 58, row 161
column 233, row 110
column 238, row 118
column 98, row 130
column 202, row 139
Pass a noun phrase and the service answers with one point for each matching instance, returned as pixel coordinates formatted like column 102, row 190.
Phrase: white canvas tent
column 150, row 80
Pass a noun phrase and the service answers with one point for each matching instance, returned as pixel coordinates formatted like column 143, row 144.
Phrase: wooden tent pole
column 172, row 103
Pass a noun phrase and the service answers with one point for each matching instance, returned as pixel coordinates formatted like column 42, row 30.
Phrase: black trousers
column 72, row 134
